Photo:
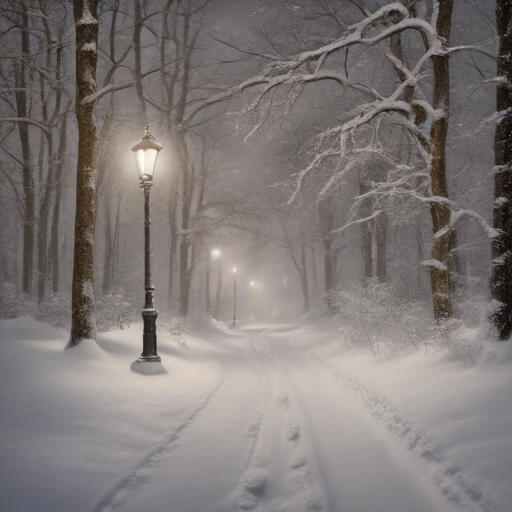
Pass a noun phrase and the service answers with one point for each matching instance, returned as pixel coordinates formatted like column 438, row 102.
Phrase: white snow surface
column 276, row 418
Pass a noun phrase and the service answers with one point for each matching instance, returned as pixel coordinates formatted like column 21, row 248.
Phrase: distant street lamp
column 233, row 325
column 214, row 253
column 146, row 153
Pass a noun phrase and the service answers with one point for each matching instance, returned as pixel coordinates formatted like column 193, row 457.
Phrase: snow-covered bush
column 14, row 303
column 116, row 311
column 55, row 310
column 373, row 317
column 177, row 326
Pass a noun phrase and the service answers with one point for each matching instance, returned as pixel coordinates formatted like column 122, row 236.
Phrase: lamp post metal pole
column 149, row 313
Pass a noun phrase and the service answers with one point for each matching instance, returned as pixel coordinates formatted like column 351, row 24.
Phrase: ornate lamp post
column 146, row 152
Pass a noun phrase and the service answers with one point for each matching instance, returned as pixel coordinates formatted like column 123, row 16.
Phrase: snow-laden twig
column 454, row 49
column 457, row 217
column 303, row 173
column 356, row 222
column 104, row 91
column 288, row 71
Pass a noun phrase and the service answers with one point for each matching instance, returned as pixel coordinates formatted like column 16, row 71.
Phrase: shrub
column 177, row 326
column 374, row 318
column 116, row 311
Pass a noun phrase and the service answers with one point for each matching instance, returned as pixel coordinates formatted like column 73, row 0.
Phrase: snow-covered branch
column 104, row 91
column 457, row 217
column 434, row 264
column 288, row 71
column 356, row 222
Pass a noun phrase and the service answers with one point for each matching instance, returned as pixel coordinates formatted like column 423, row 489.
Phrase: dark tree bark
column 54, row 252
column 326, row 215
column 440, row 211
column 28, row 178
column 137, row 48
column 306, row 304
column 83, row 310
column 374, row 238
column 501, row 279
column 299, row 263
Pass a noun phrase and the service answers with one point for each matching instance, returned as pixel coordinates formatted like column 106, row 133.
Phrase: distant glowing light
column 215, row 253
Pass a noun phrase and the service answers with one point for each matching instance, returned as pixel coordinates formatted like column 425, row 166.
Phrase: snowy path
column 278, row 434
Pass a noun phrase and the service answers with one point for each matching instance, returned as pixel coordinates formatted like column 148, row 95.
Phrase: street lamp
column 214, row 253
column 233, row 325
column 146, row 152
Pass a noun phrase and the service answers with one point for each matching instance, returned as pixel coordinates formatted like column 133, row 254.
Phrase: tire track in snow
column 446, row 476
column 254, row 479
column 125, row 487
column 278, row 426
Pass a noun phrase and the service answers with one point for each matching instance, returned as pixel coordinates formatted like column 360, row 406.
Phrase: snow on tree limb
column 459, row 216
column 434, row 264
column 287, row 72
column 104, row 91
column 356, row 222
column 454, row 49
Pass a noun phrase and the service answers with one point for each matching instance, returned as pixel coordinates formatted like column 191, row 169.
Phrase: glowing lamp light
column 146, row 152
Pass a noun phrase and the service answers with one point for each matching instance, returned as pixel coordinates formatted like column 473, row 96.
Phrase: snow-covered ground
column 266, row 418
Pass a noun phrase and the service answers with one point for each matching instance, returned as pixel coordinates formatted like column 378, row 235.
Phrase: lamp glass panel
column 146, row 160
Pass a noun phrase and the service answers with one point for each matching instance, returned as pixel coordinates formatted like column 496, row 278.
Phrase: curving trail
column 285, row 432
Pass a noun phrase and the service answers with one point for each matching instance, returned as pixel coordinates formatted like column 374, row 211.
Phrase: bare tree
column 501, row 280
column 35, row 93
column 426, row 121
column 83, row 316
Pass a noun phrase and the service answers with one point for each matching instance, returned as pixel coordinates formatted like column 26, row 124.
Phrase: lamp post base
column 149, row 352
column 148, row 367
column 149, row 359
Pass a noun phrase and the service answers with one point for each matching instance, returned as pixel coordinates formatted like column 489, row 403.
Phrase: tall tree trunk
column 381, row 244
column 42, row 244
column 440, row 211
column 326, row 217
column 306, row 304
column 83, row 320
column 501, row 279
column 218, row 291
column 185, row 275
column 373, row 240
column 137, row 47
column 106, row 282
column 172, row 259
column 54, row 253
column 28, row 178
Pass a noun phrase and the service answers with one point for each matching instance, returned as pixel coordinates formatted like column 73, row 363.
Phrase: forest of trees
column 317, row 144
